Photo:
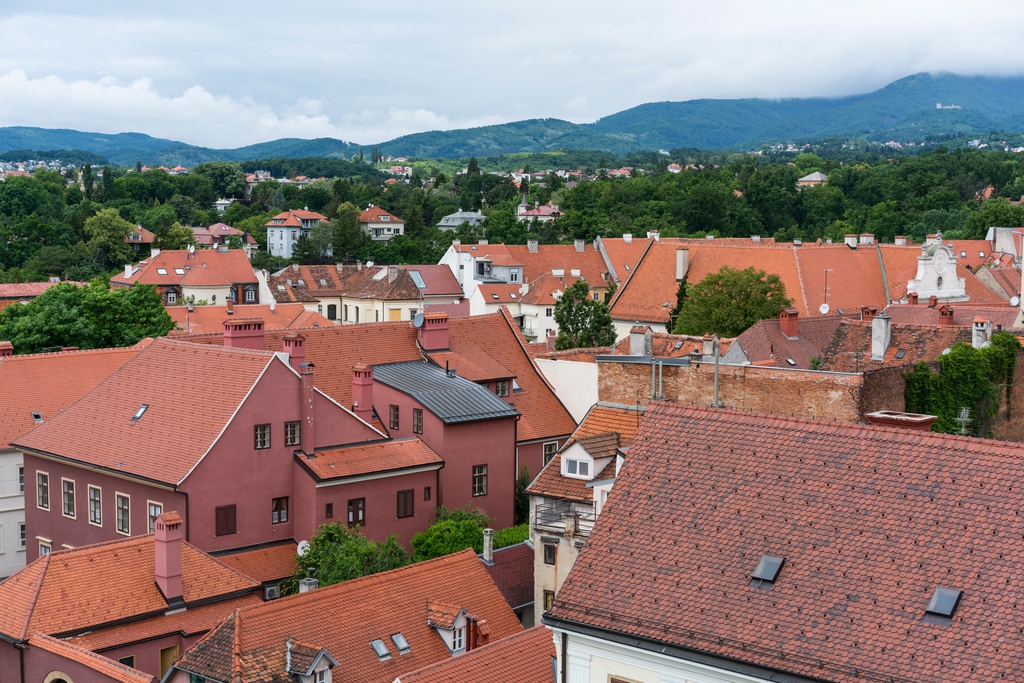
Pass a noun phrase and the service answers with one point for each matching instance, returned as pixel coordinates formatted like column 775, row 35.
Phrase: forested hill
column 903, row 110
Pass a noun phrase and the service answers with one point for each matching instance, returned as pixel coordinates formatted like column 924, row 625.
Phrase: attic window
column 140, row 412
column 791, row 361
column 380, row 649
column 37, row 417
column 626, row 267
column 678, row 345
column 665, row 305
column 900, row 354
column 981, row 254
column 767, row 570
column 323, row 282
column 161, row 271
column 280, row 288
column 512, row 294
column 179, row 271
column 963, row 254
column 943, row 602
column 301, row 283
column 401, row 643
column 515, row 386
column 494, row 296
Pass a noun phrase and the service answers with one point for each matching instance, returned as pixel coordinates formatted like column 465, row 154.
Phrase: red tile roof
column 47, row 383
column 764, row 341
column 550, row 257
column 263, row 564
column 582, row 355
column 522, row 658
column 146, row 235
column 622, row 255
column 663, row 345
column 293, row 218
column 229, row 267
column 25, row 291
column 310, row 282
column 971, row 253
column 963, row 314
column 206, row 319
column 372, row 214
column 384, row 456
column 471, row 362
column 73, row 590
column 901, row 266
column 1008, row 279
column 440, row 280
column 216, row 233
column 850, row 349
column 108, row 668
column 98, row 429
column 512, row 572
column 870, row 520
column 253, row 641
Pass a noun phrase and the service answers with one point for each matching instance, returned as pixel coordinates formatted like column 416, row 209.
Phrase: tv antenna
column 963, row 420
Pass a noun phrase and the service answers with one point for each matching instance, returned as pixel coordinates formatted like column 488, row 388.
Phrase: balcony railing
column 576, row 519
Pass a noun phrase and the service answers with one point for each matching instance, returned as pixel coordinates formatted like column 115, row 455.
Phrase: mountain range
column 903, row 110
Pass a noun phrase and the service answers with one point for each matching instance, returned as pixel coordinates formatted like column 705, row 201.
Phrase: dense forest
column 50, row 227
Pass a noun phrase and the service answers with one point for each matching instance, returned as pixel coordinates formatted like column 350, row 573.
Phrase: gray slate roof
column 452, row 399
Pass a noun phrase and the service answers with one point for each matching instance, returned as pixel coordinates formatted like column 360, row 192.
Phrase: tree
column 349, row 239
column 681, row 293
column 728, row 302
column 89, row 317
column 582, row 322
column 87, row 181
column 444, row 538
column 337, row 553
column 107, row 193
column 522, row 497
column 227, row 177
column 321, row 238
column 178, row 237
column 107, row 232
column 306, row 252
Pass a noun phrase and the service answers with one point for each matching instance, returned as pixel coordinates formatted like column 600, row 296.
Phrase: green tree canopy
column 337, row 553
column 728, row 302
column 227, row 177
column 107, row 232
column 447, row 537
column 89, row 317
column 582, row 322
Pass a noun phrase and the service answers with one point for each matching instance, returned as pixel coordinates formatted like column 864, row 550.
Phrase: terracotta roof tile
column 664, row 345
column 310, row 282
column 512, row 572
column 364, row 609
column 850, row 349
column 263, row 564
column 24, row 291
column 73, row 590
column 869, row 519
column 497, row 254
column 1008, row 279
column 471, row 362
column 971, row 253
column 385, row 456
column 581, row 355
column 108, row 668
column 550, row 257
column 98, row 428
column 522, row 658
column 293, row 218
column 207, row 319
column 622, row 255
column 440, row 280
column 372, row 214
column 230, row 267
column 47, row 383
column 764, row 341
column 443, row 614
column 964, row 314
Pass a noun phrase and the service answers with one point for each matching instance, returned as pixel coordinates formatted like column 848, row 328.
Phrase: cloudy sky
column 226, row 74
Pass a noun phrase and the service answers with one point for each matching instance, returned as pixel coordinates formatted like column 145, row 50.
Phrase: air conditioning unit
column 271, row 592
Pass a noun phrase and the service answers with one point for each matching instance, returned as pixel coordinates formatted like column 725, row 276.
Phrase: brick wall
column 768, row 390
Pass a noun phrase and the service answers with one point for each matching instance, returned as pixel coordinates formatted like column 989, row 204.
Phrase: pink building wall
column 40, row 663
column 463, row 445
column 147, row 653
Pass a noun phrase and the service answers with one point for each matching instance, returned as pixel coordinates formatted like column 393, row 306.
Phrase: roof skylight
column 417, row 278
column 323, row 282
column 512, row 294
column 767, row 570
column 943, row 602
column 140, row 412
column 401, row 643
column 494, row 296
column 900, row 354
column 380, row 649
column 37, row 417
column 791, row 361
column 679, row 345
column 161, row 271
column 179, row 271
column 280, row 288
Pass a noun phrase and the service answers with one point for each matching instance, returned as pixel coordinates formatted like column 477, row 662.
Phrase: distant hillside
column 903, row 110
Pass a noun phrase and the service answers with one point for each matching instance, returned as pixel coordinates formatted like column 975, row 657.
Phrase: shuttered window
column 225, row 520
column 405, row 503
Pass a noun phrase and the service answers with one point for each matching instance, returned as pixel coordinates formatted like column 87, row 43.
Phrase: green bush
column 447, row 537
column 338, row 553
column 511, row 535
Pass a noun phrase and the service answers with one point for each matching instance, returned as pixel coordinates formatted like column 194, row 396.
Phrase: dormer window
column 577, row 467
column 384, row 219
column 459, row 639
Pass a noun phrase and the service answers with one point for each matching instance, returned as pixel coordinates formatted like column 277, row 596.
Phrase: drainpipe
column 654, row 385
column 565, row 656
column 717, row 403
column 661, row 372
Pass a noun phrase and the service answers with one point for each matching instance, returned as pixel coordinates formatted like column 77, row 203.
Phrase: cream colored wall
column 546, row 576
column 575, row 384
column 622, row 327
column 374, row 310
column 208, row 293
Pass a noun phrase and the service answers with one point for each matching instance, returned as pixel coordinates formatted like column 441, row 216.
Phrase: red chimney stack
column 912, row 298
column 945, row 315
column 307, row 437
column 295, row 347
column 244, row 333
column 6, row 349
column 867, row 313
column 362, row 392
column 433, row 334
column 167, row 539
column 788, row 324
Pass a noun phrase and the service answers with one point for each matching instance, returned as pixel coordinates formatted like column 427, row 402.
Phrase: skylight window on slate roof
column 161, row 271
column 323, row 282
column 767, row 570
column 37, row 417
column 380, row 649
column 140, row 412
column 943, row 602
column 512, row 294
column 401, row 643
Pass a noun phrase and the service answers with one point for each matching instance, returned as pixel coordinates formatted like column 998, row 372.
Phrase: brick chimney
column 945, row 315
column 550, row 339
column 433, row 334
column 307, row 396
column 167, row 540
column 6, row 349
column 231, row 307
column 912, row 298
column 362, row 392
column 295, row 347
column 244, row 333
column 867, row 313
column 788, row 322
column 477, row 632
column 895, row 418
column 933, row 301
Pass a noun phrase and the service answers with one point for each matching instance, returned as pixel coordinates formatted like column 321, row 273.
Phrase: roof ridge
column 210, row 557
column 211, row 347
column 72, row 352
column 852, row 428
column 93, row 655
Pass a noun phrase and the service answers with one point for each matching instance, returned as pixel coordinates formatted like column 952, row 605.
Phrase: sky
column 226, row 74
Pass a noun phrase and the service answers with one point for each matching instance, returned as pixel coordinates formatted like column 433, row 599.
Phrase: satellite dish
column 191, row 248
column 303, row 548
column 823, row 309
column 418, row 320
column 1015, row 301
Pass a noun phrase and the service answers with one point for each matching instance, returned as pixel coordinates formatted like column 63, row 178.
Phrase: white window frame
column 117, row 513
column 458, row 638
column 22, row 537
column 293, row 438
column 45, row 543
column 21, row 478
column 150, row 504
column 513, row 276
column 38, row 505
column 250, row 296
column 99, row 500
column 74, row 501
column 172, row 297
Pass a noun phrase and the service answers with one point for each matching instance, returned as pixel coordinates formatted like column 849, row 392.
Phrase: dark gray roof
column 451, row 398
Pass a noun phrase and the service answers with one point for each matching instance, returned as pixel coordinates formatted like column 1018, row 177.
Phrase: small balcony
column 569, row 518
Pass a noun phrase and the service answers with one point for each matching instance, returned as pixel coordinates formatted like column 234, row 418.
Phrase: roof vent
column 37, row 417
column 380, row 649
column 767, row 570
column 943, row 602
column 401, row 643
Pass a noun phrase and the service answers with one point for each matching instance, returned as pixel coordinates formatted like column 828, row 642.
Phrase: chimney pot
column 789, row 323
column 362, row 392
column 6, row 349
column 945, row 315
column 127, row 270
column 231, row 307
column 244, row 333
column 641, row 341
column 310, row 584
column 295, row 347
column 580, row 245
column 488, row 545
column 533, row 246
column 933, row 301
column 167, row 545
column 912, row 298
